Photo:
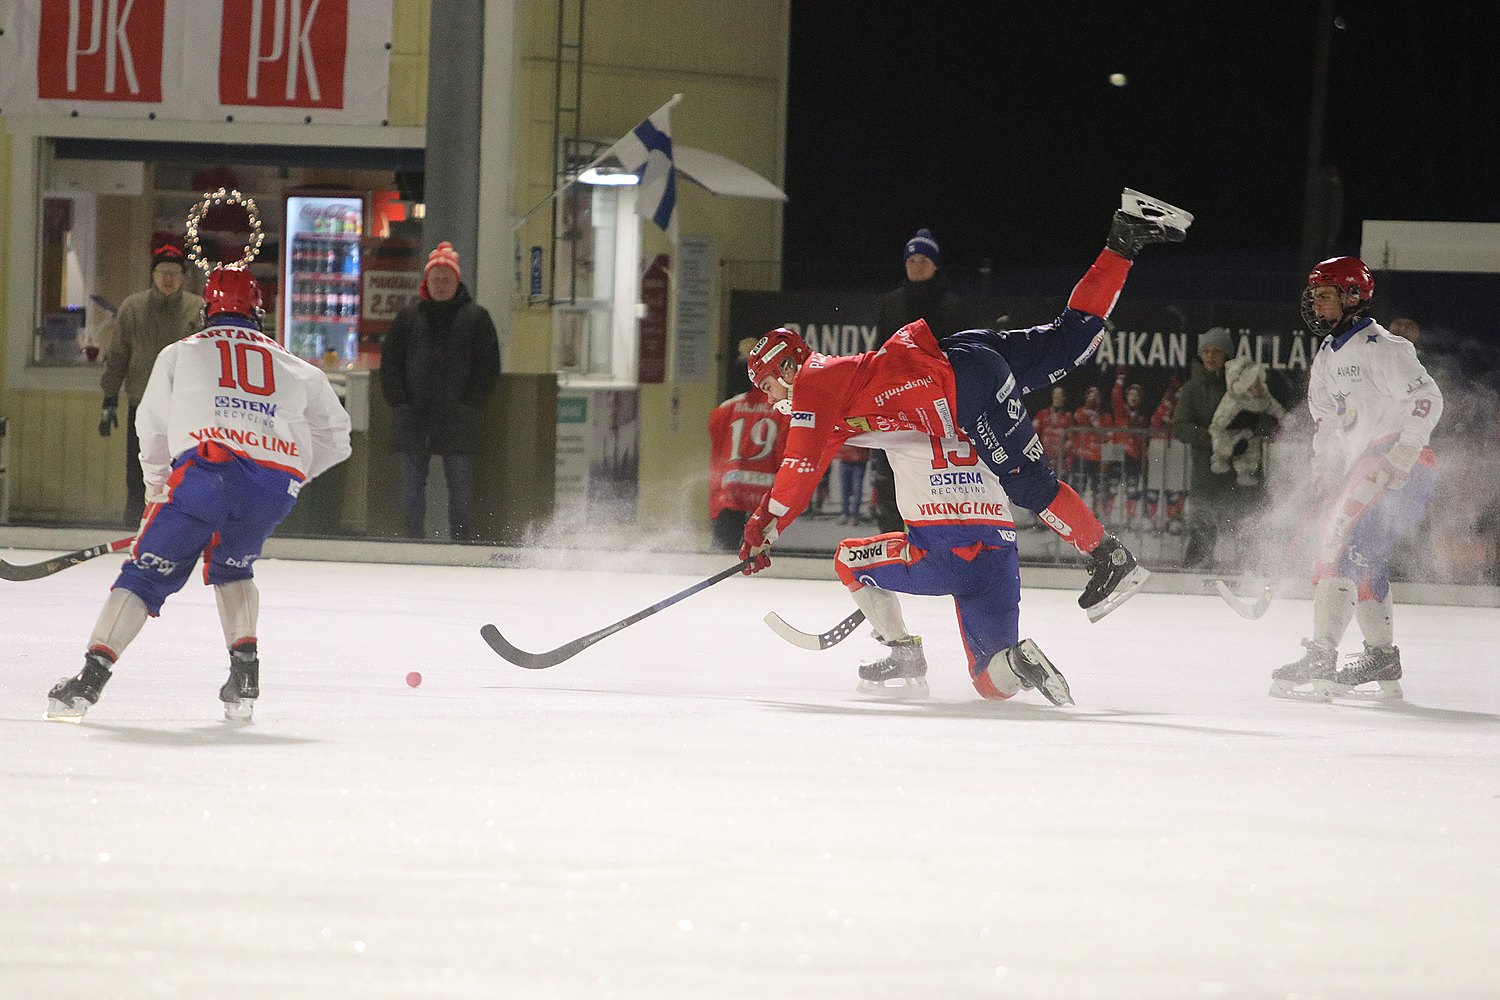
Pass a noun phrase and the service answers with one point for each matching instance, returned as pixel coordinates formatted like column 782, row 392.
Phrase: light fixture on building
column 608, row 176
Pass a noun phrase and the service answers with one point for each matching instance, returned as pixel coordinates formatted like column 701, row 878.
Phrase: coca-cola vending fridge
column 320, row 284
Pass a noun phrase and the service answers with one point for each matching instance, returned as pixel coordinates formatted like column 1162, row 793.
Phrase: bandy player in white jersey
column 231, row 427
column 1374, row 406
column 960, row 540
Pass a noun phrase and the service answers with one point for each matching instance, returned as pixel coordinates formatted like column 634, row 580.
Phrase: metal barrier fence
column 1136, row 481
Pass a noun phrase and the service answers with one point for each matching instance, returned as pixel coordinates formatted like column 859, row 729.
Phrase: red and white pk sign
column 100, row 50
column 284, row 53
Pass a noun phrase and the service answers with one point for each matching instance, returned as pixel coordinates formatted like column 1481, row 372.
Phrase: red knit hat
column 443, row 256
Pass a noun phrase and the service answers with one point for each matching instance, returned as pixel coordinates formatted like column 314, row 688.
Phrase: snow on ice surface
column 694, row 809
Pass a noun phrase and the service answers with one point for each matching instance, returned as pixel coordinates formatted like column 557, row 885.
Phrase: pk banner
column 197, row 60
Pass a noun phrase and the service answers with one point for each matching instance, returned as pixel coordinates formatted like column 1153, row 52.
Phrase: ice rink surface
column 695, row 809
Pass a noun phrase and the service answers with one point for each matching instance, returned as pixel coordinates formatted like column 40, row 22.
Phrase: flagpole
column 591, row 164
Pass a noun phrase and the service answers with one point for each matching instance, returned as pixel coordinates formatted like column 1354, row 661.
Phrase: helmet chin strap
column 783, row 406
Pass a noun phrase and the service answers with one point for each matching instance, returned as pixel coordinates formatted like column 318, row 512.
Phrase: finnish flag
column 647, row 152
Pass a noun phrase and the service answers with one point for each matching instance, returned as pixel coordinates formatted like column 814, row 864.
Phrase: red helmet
column 774, row 350
column 1348, row 273
column 1350, row 276
column 232, row 290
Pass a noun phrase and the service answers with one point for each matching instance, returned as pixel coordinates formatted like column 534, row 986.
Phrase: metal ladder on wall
column 566, row 119
column 4, row 472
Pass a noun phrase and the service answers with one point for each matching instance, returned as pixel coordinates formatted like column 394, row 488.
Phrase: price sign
column 387, row 292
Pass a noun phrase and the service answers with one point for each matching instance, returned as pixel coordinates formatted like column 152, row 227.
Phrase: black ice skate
column 73, row 696
column 902, row 674
column 1034, row 670
column 1144, row 220
column 1114, row 577
column 243, row 686
column 1378, row 665
column 1306, row 679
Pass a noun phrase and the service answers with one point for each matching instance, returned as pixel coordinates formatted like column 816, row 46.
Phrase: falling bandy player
column 960, row 541
column 1375, row 407
column 971, row 382
column 231, row 427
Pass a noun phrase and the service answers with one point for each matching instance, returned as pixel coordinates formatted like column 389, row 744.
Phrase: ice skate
column 1306, row 679
column 902, row 674
column 1114, row 577
column 1034, row 670
column 1143, row 220
column 1377, row 665
column 243, row 686
column 71, row 697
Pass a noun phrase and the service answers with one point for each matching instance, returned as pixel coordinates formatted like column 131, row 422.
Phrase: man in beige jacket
column 148, row 321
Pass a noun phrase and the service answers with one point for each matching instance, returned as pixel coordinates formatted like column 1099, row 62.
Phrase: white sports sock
column 120, row 621
column 883, row 609
column 239, row 610
column 1375, row 621
column 1002, row 675
column 1333, row 607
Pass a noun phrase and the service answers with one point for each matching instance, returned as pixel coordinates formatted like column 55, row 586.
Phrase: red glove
column 760, row 532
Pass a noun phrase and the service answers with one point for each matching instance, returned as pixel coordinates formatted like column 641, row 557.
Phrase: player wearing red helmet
column 231, row 427
column 968, row 385
column 232, row 291
column 1374, row 407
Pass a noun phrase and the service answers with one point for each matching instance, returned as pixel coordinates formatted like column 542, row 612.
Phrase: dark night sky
column 998, row 129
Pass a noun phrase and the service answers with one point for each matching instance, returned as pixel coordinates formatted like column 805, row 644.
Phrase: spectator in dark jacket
column 438, row 367
column 1216, row 503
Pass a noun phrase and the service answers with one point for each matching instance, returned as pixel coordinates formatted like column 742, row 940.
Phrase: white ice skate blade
column 239, row 711
column 1124, row 592
column 58, row 711
column 898, row 689
column 1290, row 692
column 1383, row 691
column 1146, row 207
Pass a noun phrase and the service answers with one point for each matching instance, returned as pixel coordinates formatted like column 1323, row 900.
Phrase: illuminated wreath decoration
column 223, row 197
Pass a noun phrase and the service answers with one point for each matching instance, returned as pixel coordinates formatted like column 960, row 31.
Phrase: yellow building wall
column 728, row 58
column 729, row 61
column 60, row 468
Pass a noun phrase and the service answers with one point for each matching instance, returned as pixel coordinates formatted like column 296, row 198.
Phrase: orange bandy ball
column 413, row 679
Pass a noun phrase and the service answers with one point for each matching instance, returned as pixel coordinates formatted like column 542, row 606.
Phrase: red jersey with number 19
column 906, row 385
column 233, row 386
column 747, row 436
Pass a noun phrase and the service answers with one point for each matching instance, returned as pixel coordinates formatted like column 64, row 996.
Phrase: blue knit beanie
column 924, row 244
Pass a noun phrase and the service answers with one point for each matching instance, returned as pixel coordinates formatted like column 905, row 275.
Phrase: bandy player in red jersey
column 970, row 383
column 747, row 437
column 231, row 426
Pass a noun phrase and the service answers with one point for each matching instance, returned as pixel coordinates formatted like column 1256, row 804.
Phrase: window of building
column 597, row 283
column 339, row 256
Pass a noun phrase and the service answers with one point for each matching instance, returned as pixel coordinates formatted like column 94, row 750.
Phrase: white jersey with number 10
column 234, row 386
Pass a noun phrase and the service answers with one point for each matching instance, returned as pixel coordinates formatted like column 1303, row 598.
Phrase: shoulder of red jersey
column 914, row 335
